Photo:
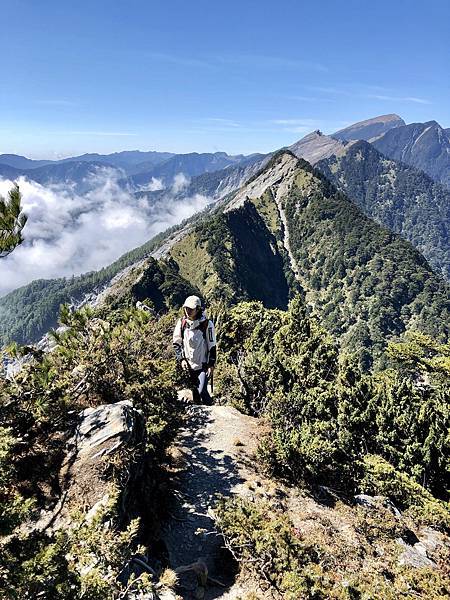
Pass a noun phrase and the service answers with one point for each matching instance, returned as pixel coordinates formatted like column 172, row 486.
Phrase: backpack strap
column 183, row 326
column 203, row 327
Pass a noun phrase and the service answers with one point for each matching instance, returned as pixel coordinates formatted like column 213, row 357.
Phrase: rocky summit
column 369, row 129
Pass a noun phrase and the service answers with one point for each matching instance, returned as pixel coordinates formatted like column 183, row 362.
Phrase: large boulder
column 107, row 438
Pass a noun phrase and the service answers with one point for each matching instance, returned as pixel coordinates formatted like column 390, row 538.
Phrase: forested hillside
column 365, row 283
column 401, row 198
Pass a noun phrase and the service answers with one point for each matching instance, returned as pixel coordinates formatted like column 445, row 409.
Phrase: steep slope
column 425, row 146
column 370, row 128
column 233, row 256
column 316, row 146
column 364, row 282
column 397, row 196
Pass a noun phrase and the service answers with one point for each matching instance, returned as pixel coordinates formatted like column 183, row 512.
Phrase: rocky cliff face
column 425, row 146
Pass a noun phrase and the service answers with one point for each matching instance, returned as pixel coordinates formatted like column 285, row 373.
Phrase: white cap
column 192, row 302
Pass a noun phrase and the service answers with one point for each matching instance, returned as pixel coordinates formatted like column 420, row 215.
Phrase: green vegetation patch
column 296, row 562
column 327, row 415
column 100, row 358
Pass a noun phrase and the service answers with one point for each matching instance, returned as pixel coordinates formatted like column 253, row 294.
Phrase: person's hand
column 210, row 372
column 184, row 365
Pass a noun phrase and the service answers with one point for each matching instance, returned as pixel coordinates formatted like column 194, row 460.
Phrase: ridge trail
column 215, row 449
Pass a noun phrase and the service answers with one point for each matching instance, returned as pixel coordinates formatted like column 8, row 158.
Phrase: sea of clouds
column 68, row 233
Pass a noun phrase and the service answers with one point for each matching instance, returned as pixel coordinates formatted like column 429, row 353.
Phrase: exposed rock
column 102, row 433
column 414, row 556
column 431, row 539
column 425, row 146
column 316, row 146
column 278, row 178
column 376, row 502
column 186, row 396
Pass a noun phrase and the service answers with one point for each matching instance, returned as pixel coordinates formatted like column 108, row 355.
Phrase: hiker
column 194, row 341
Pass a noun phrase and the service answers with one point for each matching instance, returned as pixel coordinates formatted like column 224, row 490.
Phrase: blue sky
column 247, row 76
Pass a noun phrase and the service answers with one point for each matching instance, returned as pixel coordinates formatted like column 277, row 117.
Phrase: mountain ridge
column 310, row 221
column 425, row 146
column 398, row 196
column 369, row 128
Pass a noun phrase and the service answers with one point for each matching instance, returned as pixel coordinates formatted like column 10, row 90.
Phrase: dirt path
column 215, row 448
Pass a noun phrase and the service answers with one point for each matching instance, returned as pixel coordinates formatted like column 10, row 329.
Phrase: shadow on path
column 211, row 467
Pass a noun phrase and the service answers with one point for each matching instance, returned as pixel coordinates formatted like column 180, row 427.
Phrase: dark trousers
column 199, row 380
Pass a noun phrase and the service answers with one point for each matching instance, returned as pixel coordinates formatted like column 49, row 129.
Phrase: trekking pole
column 212, row 383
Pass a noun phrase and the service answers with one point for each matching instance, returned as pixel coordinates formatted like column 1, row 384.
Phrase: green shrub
column 382, row 478
column 13, row 507
column 82, row 561
column 266, row 544
column 326, row 415
column 305, row 563
column 100, row 358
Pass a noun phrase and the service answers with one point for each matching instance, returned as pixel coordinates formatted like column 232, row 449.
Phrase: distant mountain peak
column 316, row 146
column 369, row 128
column 425, row 146
column 21, row 162
column 432, row 123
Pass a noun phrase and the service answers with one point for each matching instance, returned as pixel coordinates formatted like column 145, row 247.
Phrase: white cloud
column 298, row 125
column 56, row 102
column 69, row 234
column 399, row 99
column 329, row 90
column 297, row 122
column 308, row 99
column 259, row 61
column 179, row 183
column 221, row 121
column 272, row 62
column 182, row 61
column 155, row 185
column 96, row 133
